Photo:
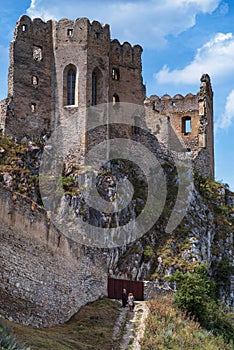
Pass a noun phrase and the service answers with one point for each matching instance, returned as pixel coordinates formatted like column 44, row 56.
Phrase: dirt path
column 129, row 327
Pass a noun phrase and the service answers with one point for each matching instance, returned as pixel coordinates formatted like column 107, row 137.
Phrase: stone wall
column 3, row 112
column 44, row 277
column 167, row 119
column 128, row 86
column 30, row 76
column 41, row 55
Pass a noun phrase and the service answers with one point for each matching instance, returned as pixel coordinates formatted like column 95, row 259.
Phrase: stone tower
column 191, row 118
column 58, row 67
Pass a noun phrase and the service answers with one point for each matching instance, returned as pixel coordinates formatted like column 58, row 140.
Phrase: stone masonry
column 44, row 278
column 59, row 68
column 191, row 117
column 56, row 70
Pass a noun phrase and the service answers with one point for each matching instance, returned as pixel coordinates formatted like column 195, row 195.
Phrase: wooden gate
column 115, row 287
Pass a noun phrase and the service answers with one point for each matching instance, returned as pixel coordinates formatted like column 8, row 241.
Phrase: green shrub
column 7, row 341
column 148, row 252
column 196, row 296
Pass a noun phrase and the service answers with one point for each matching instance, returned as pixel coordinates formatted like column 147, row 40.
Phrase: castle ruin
column 57, row 68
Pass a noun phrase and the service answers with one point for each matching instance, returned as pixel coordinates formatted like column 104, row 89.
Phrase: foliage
column 169, row 328
column 20, row 162
column 7, row 341
column 196, row 296
column 214, row 193
column 148, row 252
column 68, row 182
column 222, row 271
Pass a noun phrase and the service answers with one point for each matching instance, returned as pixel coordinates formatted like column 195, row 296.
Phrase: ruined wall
column 126, row 73
column 30, row 75
column 98, row 62
column 206, row 130
column 44, row 277
column 188, row 117
column 41, row 56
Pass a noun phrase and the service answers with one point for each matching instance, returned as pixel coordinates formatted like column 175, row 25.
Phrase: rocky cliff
column 46, row 276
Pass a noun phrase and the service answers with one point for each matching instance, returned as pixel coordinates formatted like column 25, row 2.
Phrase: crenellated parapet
column 99, row 31
column 167, row 104
column 26, row 28
column 81, row 29
column 66, row 29
column 126, row 54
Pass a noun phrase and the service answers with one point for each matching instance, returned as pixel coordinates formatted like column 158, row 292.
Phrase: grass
column 168, row 328
column 91, row 328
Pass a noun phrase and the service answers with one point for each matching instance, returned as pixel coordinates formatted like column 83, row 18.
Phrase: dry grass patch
column 91, row 328
column 168, row 328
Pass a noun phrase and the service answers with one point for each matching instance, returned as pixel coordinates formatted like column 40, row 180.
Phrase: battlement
column 125, row 53
column 81, row 29
column 26, row 28
column 66, row 29
column 178, row 103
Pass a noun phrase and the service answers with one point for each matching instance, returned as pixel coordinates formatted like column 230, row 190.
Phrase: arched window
column 33, row 107
column 115, row 99
column 35, row 80
column 71, row 86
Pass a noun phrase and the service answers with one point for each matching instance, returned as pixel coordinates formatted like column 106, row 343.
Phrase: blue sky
column 182, row 39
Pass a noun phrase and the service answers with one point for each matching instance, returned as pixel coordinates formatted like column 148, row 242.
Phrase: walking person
column 131, row 301
column 124, row 298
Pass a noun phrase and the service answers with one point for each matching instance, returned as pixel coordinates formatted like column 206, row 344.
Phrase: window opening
column 37, row 53
column 186, row 125
column 115, row 99
column 70, row 32
column 188, row 152
column 71, row 85
column 33, row 107
column 97, row 35
column 24, row 28
column 115, row 74
column 35, row 80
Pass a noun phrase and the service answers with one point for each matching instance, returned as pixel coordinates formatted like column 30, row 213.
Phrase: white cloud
column 227, row 118
column 214, row 58
column 136, row 21
column 224, row 8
